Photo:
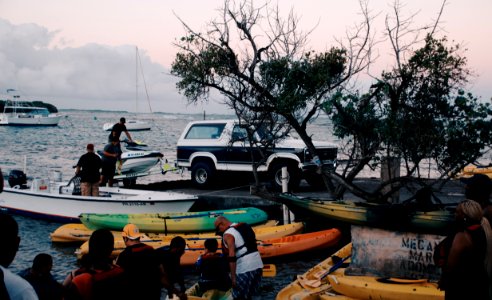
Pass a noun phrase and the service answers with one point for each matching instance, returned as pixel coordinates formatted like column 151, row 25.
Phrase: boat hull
column 131, row 125
column 35, row 121
column 173, row 222
column 66, row 208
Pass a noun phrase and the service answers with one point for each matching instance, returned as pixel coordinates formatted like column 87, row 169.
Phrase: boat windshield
column 40, row 111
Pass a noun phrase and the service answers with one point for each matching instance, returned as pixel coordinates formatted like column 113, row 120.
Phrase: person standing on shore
column 88, row 169
column 101, row 279
column 170, row 263
column 111, row 154
column 478, row 188
column 467, row 269
column 41, row 279
column 141, row 266
column 12, row 286
column 245, row 264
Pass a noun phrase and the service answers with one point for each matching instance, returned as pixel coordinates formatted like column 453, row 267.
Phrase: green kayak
column 173, row 222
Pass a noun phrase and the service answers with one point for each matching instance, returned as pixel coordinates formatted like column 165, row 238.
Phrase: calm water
column 44, row 150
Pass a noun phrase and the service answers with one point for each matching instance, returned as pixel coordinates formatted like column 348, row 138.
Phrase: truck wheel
column 202, row 175
column 293, row 174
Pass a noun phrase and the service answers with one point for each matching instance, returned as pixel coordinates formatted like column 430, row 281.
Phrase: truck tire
column 294, row 175
column 202, row 175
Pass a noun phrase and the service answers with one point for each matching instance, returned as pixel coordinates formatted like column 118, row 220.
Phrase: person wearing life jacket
column 239, row 246
column 213, row 268
column 141, row 265
column 102, row 279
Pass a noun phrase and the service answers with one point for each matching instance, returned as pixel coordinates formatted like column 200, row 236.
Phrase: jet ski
column 136, row 163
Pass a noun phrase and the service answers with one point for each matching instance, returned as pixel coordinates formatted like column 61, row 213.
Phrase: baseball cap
column 131, row 231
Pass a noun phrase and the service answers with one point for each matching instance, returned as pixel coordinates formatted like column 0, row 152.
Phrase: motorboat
column 17, row 113
column 62, row 202
column 131, row 125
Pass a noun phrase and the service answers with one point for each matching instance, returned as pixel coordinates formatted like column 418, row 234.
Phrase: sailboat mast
column 136, row 79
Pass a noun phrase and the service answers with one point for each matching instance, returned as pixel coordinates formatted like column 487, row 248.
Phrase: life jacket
column 248, row 236
column 93, row 284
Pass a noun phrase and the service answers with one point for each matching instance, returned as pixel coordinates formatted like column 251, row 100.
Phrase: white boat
column 55, row 200
column 131, row 125
column 15, row 113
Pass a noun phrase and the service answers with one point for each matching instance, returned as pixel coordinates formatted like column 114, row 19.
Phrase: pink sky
column 152, row 26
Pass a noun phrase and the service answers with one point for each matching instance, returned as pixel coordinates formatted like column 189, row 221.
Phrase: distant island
column 51, row 108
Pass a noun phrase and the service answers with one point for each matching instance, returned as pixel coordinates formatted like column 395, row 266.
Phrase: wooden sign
column 384, row 253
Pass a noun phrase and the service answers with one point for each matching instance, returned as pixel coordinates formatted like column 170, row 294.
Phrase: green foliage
column 417, row 112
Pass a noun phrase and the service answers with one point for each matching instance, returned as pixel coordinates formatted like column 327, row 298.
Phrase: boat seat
column 76, row 186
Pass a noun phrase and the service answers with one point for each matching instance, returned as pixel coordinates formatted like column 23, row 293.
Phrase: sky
column 81, row 54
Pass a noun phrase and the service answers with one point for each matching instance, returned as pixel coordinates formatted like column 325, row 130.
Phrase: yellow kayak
column 314, row 283
column 79, row 233
column 196, row 241
column 326, row 281
column 367, row 287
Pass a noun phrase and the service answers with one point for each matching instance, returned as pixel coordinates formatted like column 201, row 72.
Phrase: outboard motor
column 17, row 178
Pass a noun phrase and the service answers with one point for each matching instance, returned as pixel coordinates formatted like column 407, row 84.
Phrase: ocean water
column 41, row 151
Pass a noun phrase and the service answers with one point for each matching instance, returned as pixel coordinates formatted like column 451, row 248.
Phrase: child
column 213, row 268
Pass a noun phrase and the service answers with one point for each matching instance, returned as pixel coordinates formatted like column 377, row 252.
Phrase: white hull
column 64, row 207
column 138, row 165
column 131, row 125
column 51, row 120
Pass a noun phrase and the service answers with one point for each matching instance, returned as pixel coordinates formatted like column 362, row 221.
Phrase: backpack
column 248, row 236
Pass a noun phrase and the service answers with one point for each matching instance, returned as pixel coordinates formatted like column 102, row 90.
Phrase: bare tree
column 260, row 63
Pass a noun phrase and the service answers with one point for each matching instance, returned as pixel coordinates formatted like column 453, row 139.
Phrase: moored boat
column 173, row 222
column 396, row 216
column 55, row 201
column 19, row 113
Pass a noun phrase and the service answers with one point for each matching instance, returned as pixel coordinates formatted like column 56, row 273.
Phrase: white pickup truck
column 209, row 147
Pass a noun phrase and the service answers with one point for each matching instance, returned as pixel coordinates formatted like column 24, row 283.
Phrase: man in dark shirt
column 111, row 154
column 88, row 170
column 118, row 128
column 142, row 268
column 172, row 273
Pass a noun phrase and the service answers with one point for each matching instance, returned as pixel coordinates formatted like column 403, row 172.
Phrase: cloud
column 92, row 76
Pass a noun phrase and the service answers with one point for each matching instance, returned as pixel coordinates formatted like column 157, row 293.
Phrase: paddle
column 335, row 267
column 269, row 270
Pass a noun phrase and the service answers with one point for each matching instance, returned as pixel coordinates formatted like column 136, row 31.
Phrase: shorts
column 247, row 284
column 89, row 189
column 108, row 171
